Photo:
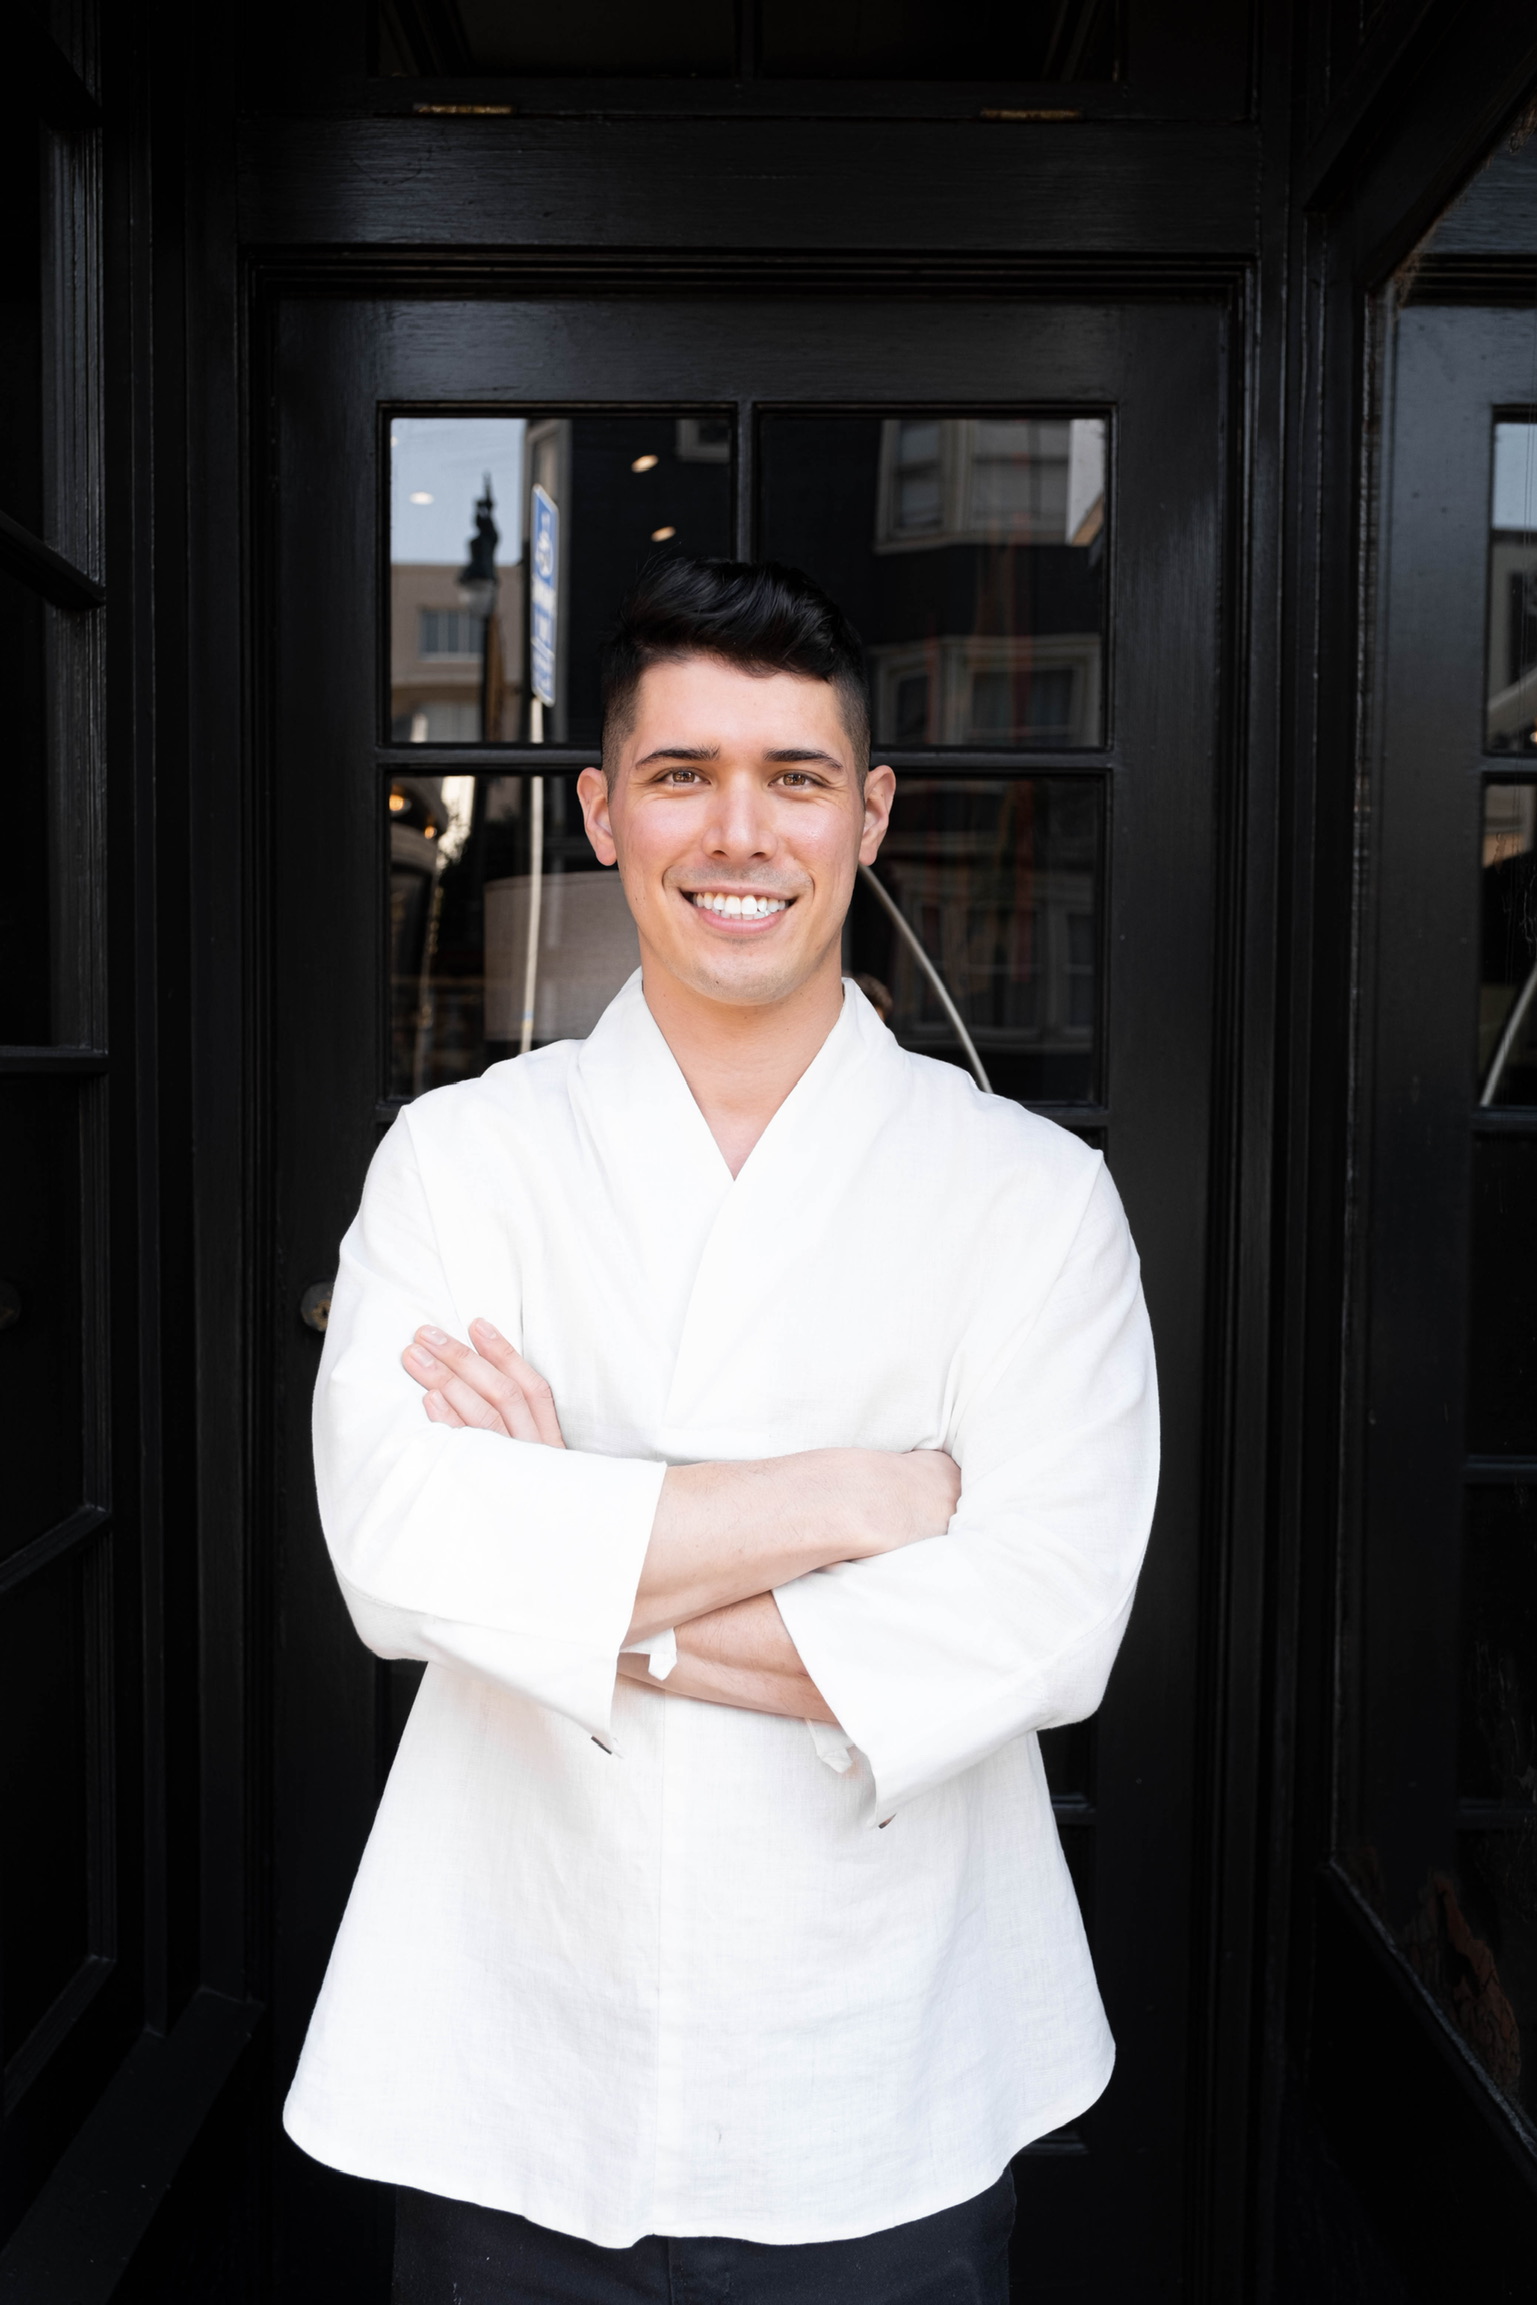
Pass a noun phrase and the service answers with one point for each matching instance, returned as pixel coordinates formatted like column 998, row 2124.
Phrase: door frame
column 1230, row 1570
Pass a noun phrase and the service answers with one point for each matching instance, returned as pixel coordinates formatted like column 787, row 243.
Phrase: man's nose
column 741, row 822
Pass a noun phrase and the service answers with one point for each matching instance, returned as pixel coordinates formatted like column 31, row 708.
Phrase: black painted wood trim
column 80, row 2235
column 449, row 273
column 748, row 186
column 81, row 1525
column 46, row 571
column 14, row 1060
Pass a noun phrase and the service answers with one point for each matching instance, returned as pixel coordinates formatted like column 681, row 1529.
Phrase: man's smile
column 737, row 910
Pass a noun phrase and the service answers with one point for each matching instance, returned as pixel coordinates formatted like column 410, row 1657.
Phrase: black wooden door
column 1437, row 1827
column 1048, row 674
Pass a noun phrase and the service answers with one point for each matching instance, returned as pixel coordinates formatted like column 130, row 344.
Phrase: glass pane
column 1077, row 1838
column 40, row 1343
column 484, row 643
column 997, row 879
column 21, row 328
column 461, row 900
column 24, row 908
column 45, row 1794
column 968, row 551
column 1069, row 1757
column 1507, row 1006
column 1502, row 1298
column 1498, row 1755
column 1512, row 641
column 939, row 39
column 585, row 36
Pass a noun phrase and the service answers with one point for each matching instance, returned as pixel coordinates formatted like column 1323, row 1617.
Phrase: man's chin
column 741, row 978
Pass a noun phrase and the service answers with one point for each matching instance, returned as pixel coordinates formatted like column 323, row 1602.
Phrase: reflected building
column 438, row 658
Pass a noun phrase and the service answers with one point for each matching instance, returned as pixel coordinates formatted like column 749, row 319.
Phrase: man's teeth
column 740, row 907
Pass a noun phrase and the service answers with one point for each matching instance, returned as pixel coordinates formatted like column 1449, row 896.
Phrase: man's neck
column 741, row 1061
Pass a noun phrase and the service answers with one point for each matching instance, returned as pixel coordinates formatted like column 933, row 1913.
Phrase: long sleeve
column 934, row 1656
column 515, row 1561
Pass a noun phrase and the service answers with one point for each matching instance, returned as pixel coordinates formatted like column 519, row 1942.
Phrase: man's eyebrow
column 803, row 752
column 681, row 752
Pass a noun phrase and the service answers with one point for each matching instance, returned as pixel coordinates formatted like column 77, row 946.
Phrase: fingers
column 491, row 1390
column 505, row 1357
column 439, row 1412
column 481, row 1397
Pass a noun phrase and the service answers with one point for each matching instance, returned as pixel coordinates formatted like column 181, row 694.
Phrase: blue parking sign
column 543, row 595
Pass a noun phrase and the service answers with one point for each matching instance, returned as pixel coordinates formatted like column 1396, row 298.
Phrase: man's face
column 738, row 823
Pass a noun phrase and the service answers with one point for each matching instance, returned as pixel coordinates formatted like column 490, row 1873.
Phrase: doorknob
column 315, row 1305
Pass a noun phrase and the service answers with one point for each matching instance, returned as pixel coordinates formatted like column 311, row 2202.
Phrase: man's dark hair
column 758, row 615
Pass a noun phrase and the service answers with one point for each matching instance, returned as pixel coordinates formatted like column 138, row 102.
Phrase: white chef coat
column 688, row 1986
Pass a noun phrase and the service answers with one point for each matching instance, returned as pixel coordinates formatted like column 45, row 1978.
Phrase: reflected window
column 1507, row 1007
column 1512, row 630
column 513, row 540
column 968, row 552
column 997, row 879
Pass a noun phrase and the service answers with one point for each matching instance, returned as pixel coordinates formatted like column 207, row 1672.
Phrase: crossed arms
column 724, row 1535
column 812, row 1584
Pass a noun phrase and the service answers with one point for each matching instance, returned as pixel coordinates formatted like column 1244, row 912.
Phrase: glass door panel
column 486, row 646
column 969, row 552
column 943, row 467
column 997, row 879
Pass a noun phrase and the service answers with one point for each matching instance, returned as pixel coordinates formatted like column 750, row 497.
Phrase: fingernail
column 433, row 1336
column 480, row 1322
column 419, row 1359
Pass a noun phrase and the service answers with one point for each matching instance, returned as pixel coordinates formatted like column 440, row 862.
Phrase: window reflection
column 1507, row 1008
column 968, row 551
column 462, row 897
column 483, row 646
column 997, row 877
column 1512, row 634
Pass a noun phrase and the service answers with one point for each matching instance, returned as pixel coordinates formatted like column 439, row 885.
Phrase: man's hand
column 487, row 1385
column 741, row 1656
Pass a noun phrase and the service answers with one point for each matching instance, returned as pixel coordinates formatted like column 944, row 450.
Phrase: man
column 744, row 1353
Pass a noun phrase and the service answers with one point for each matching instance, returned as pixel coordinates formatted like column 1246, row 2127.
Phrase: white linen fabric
column 686, row 1985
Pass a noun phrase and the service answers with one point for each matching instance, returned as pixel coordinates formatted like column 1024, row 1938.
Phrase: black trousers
column 453, row 2253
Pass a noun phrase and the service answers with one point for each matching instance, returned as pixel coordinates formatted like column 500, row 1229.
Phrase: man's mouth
column 737, row 907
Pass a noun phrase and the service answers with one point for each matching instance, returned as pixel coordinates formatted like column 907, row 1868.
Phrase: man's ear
column 880, row 791
column 592, row 792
